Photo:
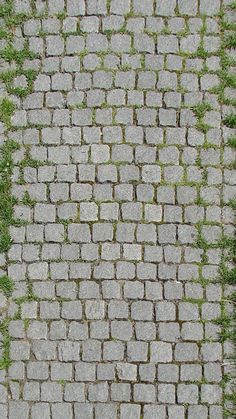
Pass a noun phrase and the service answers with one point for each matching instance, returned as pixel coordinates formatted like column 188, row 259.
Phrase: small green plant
column 6, row 110
column 5, row 361
column 229, row 79
column 198, row 301
column 15, row 20
column 26, row 323
column 225, row 322
column 6, row 200
column 28, row 161
column 62, row 382
column 201, row 53
column 27, row 200
column 227, row 275
column 8, row 78
column 230, row 120
column 232, row 204
column 9, row 53
column 201, row 126
column 200, row 109
column 6, row 285
column 125, row 67
column 62, row 15
column 108, row 5
column 232, row 141
column 6, row 9
column 230, row 41
column 3, row 33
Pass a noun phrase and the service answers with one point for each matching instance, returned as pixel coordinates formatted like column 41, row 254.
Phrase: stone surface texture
column 119, row 248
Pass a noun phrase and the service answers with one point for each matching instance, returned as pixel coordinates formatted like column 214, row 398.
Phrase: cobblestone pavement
column 121, row 184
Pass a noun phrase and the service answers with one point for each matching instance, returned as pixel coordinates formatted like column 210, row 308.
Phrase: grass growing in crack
column 200, row 53
column 201, row 126
column 26, row 324
column 8, row 78
column 230, row 41
column 226, row 327
column 28, row 161
column 6, row 9
column 9, row 53
column 6, row 200
column 232, row 141
column 5, row 361
column 232, row 204
column 3, row 33
column 200, row 111
column 230, row 120
column 15, row 20
column 229, row 79
column 61, row 15
column 6, row 110
column 27, row 200
column 6, row 285
column 228, row 276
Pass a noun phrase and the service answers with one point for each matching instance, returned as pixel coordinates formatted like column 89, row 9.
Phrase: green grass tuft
column 201, row 126
column 29, row 162
column 233, row 5
column 5, row 239
column 6, row 200
column 27, row 200
column 232, row 203
column 6, row 9
column 229, row 79
column 9, row 53
column 229, row 276
column 200, row 109
column 6, row 285
column 201, row 53
column 3, row 33
column 5, row 361
column 16, row 20
column 6, row 110
column 230, row 41
column 230, row 120
column 61, row 15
